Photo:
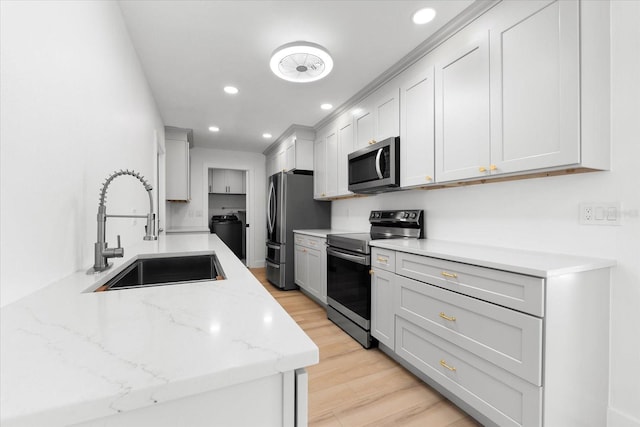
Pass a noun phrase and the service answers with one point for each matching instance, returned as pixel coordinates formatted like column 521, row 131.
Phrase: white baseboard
column 616, row 418
column 258, row 264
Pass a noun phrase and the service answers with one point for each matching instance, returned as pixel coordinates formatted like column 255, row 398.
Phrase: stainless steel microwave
column 375, row 168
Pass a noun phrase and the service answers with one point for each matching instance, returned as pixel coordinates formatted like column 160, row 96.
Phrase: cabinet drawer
column 383, row 259
column 299, row 239
column 501, row 396
column 504, row 337
column 315, row 242
column 517, row 291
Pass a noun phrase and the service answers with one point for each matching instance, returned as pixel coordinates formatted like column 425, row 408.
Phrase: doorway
column 227, row 208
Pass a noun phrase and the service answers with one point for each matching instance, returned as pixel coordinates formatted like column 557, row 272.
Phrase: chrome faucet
column 102, row 251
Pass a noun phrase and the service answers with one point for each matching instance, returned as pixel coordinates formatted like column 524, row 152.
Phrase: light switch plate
column 600, row 213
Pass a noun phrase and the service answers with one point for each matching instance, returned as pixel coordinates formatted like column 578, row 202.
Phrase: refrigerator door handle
column 269, row 207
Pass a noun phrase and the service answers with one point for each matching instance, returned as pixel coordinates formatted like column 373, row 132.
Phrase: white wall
column 75, row 106
column 195, row 212
column 542, row 214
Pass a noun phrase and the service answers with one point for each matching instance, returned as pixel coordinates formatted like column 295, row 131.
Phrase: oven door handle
column 359, row 259
column 272, row 264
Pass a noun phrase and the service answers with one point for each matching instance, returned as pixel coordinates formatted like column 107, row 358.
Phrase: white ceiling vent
column 301, row 62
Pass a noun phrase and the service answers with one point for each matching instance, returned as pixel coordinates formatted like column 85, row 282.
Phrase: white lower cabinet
column 275, row 400
column 382, row 294
column 512, row 349
column 310, row 266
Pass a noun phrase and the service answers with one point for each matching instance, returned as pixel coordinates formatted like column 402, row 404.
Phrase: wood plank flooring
column 352, row 386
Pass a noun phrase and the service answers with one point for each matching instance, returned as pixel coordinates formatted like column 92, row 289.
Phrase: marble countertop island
column 69, row 355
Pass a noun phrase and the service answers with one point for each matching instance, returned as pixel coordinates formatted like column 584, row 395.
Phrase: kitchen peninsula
column 183, row 354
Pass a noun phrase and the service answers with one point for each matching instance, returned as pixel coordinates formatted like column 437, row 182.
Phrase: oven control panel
column 399, row 216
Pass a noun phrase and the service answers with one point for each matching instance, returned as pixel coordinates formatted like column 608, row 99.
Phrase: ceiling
column 190, row 50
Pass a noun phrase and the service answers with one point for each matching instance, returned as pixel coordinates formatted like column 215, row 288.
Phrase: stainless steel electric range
column 348, row 265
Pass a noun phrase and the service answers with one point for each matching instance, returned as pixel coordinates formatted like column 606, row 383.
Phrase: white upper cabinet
column 320, row 166
column 331, row 170
column 178, row 186
column 417, row 125
column 331, row 158
column 298, row 154
column 535, row 86
column 462, row 109
column 378, row 116
column 228, row 181
column 345, row 147
column 523, row 90
column 177, row 163
column 294, row 152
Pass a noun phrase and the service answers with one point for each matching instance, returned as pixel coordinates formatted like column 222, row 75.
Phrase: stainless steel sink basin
column 169, row 270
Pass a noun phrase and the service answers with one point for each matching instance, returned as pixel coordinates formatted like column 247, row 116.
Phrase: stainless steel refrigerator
column 290, row 206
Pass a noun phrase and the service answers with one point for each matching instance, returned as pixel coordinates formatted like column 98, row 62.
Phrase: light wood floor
column 352, row 386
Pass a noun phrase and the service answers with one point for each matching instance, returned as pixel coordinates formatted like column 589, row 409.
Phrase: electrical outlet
column 600, row 213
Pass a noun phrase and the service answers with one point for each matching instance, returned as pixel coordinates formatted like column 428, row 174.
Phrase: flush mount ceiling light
column 266, row 135
column 214, row 128
column 301, row 62
column 326, row 106
column 231, row 90
column 423, row 16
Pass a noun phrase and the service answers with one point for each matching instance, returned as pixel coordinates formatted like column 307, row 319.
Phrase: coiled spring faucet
column 101, row 250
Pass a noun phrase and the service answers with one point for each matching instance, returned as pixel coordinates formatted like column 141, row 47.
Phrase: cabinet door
column 345, row 147
column 387, row 111
column 290, row 156
column 462, row 106
column 363, row 124
column 315, row 274
column 320, row 168
column 332, row 161
column 535, row 88
column 177, row 165
column 382, row 307
column 300, row 273
column 219, row 181
column 235, row 181
column 417, row 118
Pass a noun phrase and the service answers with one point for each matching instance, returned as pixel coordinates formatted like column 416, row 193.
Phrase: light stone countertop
column 539, row 264
column 68, row 355
column 321, row 232
column 190, row 229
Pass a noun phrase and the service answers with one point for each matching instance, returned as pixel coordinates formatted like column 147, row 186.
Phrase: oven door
column 349, row 285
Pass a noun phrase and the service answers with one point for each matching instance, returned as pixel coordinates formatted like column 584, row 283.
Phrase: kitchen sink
column 167, row 270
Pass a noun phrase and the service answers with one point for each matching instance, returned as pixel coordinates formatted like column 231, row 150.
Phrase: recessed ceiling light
column 266, row 135
column 301, row 62
column 423, row 16
column 326, row 106
column 231, row 90
column 214, row 128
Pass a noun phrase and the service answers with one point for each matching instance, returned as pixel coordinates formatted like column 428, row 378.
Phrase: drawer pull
column 382, row 260
column 451, row 275
column 370, row 272
column 444, row 365
column 445, row 317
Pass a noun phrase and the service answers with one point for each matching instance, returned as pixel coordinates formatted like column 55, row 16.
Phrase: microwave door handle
column 378, row 171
